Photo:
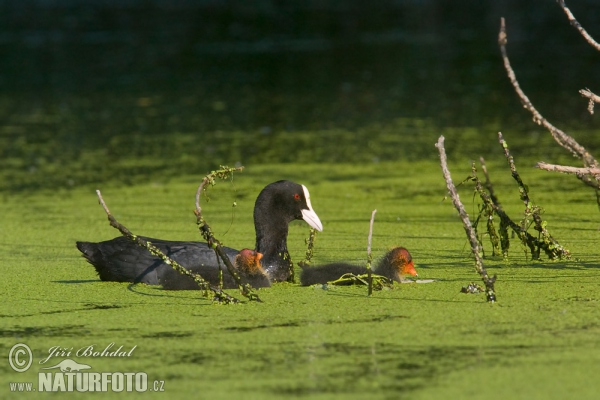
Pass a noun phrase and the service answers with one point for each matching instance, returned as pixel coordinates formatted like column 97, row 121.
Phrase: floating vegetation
column 373, row 281
column 472, row 288
column 219, row 295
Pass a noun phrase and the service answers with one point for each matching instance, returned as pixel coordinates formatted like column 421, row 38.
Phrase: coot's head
column 248, row 262
column 284, row 201
column 402, row 261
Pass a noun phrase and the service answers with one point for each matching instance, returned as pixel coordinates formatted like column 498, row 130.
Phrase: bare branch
column 370, row 233
column 488, row 182
column 578, row 26
column 471, row 235
column 219, row 294
column 568, row 169
column 561, row 138
column 592, row 97
column 548, row 243
column 369, row 256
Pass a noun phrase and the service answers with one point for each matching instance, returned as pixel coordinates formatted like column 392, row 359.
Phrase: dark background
column 182, row 86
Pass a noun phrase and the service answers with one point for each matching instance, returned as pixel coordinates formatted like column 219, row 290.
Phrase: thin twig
column 588, row 38
column 506, row 222
column 486, row 211
column 593, row 98
column 552, row 247
column 513, row 170
column 310, row 244
column 471, row 235
column 369, row 255
column 219, row 294
column 582, row 174
column 568, row 169
column 559, row 136
column 488, row 182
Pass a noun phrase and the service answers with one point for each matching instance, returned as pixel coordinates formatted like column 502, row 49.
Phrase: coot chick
column 278, row 204
column 396, row 264
column 247, row 264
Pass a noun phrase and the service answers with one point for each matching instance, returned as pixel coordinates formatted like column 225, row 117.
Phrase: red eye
column 296, row 196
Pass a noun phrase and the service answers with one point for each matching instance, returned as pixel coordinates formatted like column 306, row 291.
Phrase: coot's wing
column 122, row 260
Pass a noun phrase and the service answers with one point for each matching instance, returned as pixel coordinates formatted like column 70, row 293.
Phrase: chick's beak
column 409, row 269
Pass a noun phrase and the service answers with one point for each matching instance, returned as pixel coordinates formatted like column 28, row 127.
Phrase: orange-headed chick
column 251, row 271
column 395, row 265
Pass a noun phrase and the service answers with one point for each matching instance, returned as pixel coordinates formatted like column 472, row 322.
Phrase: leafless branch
column 488, row 182
column 471, row 234
column 578, row 26
column 547, row 242
column 568, row 169
column 369, row 256
column 593, row 99
column 561, row 138
column 219, row 294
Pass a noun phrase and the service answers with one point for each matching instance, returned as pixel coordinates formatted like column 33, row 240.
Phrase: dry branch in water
column 588, row 38
column 219, row 294
column 223, row 173
column 567, row 169
column 471, row 235
column 534, row 244
column 591, row 178
column 561, row 138
column 369, row 255
column 546, row 242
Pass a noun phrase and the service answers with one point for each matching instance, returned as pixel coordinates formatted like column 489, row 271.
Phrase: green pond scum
column 541, row 340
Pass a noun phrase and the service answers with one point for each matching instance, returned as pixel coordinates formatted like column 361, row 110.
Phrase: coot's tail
column 91, row 252
column 119, row 260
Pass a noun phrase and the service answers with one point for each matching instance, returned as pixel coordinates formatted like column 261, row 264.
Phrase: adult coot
column 276, row 206
column 396, row 264
column 247, row 264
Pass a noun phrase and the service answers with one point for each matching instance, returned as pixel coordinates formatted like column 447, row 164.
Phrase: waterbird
column 247, row 265
column 278, row 204
column 395, row 265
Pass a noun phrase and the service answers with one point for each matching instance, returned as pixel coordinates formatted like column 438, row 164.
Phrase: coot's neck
column 386, row 268
column 271, row 240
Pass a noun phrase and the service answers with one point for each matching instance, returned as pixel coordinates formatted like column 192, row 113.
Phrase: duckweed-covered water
column 142, row 100
column 418, row 341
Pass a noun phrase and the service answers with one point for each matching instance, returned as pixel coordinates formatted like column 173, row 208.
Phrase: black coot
column 248, row 266
column 276, row 206
column 396, row 264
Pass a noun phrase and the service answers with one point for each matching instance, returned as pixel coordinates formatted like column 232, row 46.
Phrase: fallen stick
column 475, row 246
column 559, row 136
column 369, row 255
column 219, row 294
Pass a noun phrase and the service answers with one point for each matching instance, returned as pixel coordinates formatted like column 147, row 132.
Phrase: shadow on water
column 337, row 367
column 295, row 324
column 76, row 281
